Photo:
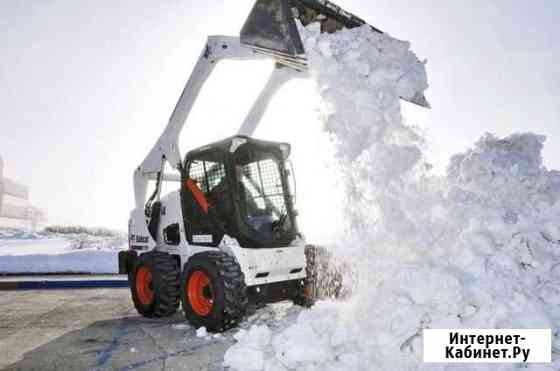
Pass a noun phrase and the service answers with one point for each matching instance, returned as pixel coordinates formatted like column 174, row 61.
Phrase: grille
column 263, row 180
column 207, row 174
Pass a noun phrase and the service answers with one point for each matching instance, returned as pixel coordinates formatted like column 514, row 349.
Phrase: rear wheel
column 324, row 277
column 154, row 284
column 213, row 291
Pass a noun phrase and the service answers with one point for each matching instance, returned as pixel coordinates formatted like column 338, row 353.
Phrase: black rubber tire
column 165, row 284
column 228, row 287
column 306, row 295
column 303, row 297
column 324, row 277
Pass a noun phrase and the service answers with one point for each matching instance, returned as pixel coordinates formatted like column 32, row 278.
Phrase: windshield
column 263, row 197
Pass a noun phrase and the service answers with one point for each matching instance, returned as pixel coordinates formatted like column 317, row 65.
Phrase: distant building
column 15, row 210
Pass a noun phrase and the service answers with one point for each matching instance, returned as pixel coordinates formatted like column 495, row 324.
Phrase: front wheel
column 154, row 284
column 213, row 291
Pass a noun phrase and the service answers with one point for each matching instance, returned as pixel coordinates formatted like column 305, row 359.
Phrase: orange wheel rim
column 144, row 286
column 200, row 293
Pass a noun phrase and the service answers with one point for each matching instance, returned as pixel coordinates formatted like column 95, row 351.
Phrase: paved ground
column 97, row 329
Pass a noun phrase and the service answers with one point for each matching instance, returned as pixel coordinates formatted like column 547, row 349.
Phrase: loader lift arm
column 217, row 48
column 270, row 32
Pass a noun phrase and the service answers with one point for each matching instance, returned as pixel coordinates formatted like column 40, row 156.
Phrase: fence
column 15, row 210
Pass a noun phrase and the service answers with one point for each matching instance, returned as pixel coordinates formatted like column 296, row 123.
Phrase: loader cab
column 238, row 187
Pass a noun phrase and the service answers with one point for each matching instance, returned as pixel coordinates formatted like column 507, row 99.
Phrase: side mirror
column 172, row 234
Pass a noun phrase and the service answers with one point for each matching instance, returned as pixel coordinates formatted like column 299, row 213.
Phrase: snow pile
column 59, row 252
column 17, row 233
column 477, row 248
column 249, row 353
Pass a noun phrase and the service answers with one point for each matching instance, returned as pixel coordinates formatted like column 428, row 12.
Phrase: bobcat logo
column 138, row 238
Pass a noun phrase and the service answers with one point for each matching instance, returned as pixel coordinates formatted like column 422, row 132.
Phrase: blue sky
column 88, row 86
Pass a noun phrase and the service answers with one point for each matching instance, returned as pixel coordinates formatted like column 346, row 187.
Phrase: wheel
column 304, row 297
column 306, row 293
column 213, row 291
column 154, row 284
column 324, row 277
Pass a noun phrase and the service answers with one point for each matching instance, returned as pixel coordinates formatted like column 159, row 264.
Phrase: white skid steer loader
column 227, row 239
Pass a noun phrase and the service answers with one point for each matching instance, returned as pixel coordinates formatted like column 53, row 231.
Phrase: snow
column 180, row 326
column 31, row 252
column 476, row 248
column 248, row 353
column 201, row 332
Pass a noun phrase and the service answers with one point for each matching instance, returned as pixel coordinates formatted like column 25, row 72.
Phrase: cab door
column 205, row 199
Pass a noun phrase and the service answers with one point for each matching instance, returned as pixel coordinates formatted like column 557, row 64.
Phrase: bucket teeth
column 271, row 23
column 271, row 26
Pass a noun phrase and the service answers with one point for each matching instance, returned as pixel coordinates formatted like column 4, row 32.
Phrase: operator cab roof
column 232, row 144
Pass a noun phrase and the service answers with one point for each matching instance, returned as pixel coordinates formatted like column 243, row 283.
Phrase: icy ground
column 23, row 251
column 477, row 248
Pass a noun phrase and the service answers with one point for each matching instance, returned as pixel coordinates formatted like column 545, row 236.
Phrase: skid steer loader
column 227, row 239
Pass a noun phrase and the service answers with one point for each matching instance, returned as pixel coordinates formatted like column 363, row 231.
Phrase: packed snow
column 201, row 332
column 24, row 251
column 476, row 248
